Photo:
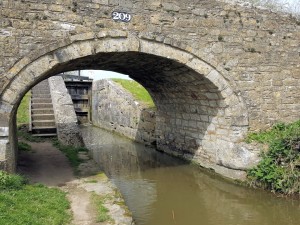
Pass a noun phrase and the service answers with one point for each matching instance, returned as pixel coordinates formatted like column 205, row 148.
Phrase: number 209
column 121, row 16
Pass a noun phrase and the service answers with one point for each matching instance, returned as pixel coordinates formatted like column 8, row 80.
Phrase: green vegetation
column 102, row 211
column 10, row 182
column 28, row 137
column 137, row 90
column 279, row 169
column 91, row 181
column 23, row 111
column 71, row 153
column 22, row 146
column 31, row 204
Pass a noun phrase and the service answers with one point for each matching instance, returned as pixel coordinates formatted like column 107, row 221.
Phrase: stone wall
column 115, row 109
column 68, row 132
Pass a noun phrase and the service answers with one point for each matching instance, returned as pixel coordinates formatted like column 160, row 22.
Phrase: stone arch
column 225, row 125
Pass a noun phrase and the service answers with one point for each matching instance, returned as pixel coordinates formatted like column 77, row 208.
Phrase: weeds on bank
column 279, row 169
column 21, row 203
column 71, row 153
column 102, row 211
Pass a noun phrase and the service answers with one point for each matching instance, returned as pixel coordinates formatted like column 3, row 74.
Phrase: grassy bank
column 21, row 203
column 137, row 90
column 23, row 110
column 279, row 169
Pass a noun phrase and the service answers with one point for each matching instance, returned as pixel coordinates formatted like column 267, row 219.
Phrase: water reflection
column 161, row 190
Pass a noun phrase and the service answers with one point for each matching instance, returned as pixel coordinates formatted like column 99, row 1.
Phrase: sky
column 102, row 74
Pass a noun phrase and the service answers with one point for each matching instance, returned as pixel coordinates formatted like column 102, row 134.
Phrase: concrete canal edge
column 85, row 194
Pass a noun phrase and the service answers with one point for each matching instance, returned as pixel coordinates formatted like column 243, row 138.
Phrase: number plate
column 121, row 16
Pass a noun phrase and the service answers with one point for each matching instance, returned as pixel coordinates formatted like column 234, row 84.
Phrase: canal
column 162, row 190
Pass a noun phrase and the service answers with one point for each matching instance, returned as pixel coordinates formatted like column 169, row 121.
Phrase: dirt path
column 45, row 164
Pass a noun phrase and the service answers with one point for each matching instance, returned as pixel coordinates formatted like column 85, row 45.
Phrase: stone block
column 117, row 33
column 101, row 2
column 3, row 149
column 171, row 7
column 82, row 37
column 4, row 131
column 165, row 51
column 237, row 156
column 56, row 8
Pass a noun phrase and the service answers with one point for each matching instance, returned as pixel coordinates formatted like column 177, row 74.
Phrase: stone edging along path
column 81, row 194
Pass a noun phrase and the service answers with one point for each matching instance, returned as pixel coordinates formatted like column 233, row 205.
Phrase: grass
column 71, row 153
column 10, row 182
column 91, row 181
column 279, row 169
column 137, row 90
column 119, row 200
column 22, row 146
column 102, row 211
column 31, row 204
column 23, row 110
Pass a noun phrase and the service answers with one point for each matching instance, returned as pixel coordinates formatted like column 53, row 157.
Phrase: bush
column 279, row 169
column 10, row 181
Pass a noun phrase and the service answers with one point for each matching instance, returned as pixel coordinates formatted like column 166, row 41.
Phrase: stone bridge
column 215, row 70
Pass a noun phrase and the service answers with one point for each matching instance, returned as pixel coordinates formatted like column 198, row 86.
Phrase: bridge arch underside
column 199, row 116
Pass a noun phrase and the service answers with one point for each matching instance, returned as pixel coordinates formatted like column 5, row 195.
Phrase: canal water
column 162, row 190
